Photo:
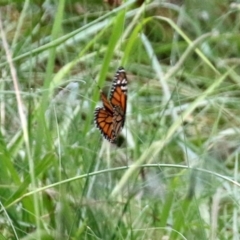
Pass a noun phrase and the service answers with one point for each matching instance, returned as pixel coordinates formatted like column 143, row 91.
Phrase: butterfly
column 110, row 118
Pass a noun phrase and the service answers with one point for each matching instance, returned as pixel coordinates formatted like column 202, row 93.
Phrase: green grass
column 174, row 172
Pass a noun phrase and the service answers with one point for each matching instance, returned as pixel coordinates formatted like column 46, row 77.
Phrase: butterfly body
column 110, row 118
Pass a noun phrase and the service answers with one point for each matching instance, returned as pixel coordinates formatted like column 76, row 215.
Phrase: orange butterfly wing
column 118, row 96
column 111, row 117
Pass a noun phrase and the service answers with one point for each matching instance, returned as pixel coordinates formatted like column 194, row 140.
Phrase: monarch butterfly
column 110, row 118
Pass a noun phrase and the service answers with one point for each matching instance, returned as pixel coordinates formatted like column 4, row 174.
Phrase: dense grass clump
column 174, row 171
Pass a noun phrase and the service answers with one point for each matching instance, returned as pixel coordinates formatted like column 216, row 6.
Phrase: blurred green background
column 174, row 172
